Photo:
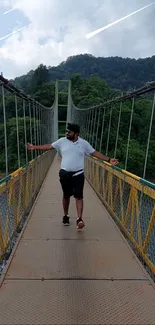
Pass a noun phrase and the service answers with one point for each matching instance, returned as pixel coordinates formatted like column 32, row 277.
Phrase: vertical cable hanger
column 149, row 136
column 34, row 123
column 109, row 128
column 17, row 130
column 103, row 122
column 30, row 128
column 98, row 122
column 129, row 133
column 94, row 126
column 5, row 131
column 25, row 133
column 118, row 127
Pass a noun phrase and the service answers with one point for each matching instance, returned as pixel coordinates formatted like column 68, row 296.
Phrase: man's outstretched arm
column 99, row 155
column 39, row 147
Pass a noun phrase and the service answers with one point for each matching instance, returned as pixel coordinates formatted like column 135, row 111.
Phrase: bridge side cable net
column 130, row 199
column 23, row 120
column 132, row 205
column 111, row 127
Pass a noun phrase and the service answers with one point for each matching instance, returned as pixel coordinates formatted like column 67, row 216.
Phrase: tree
column 119, row 73
column 40, row 76
column 12, row 143
column 86, row 92
column 45, row 94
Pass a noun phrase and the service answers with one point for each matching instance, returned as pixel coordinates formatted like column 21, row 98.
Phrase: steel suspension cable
column 129, row 133
column 118, row 127
column 34, row 123
column 39, row 124
column 103, row 121
column 37, row 120
column 91, row 129
column 94, row 126
column 98, row 122
column 17, row 130
column 107, row 147
column 25, row 133
column 30, row 116
column 5, row 131
column 149, row 136
column 89, row 116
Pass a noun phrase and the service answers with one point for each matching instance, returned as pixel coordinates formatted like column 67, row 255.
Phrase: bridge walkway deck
column 58, row 275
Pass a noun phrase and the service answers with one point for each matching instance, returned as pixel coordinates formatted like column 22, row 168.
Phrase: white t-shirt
column 73, row 153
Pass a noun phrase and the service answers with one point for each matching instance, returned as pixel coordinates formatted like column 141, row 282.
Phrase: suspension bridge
column 51, row 274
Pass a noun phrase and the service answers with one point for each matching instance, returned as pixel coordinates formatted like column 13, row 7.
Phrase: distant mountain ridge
column 119, row 73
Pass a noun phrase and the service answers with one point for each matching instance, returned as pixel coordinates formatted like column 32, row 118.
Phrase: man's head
column 72, row 131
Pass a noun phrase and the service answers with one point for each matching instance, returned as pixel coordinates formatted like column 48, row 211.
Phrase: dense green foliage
column 139, row 136
column 12, row 143
column 118, row 72
column 85, row 92
column 12, row 133
column 96, row 92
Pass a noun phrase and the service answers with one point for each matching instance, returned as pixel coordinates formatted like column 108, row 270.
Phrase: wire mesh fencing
column 17, row 196
column 123, row 128
column 131, row 202
column 22, row 120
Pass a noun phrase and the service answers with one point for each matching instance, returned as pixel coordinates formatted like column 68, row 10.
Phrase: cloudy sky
column 56, row 29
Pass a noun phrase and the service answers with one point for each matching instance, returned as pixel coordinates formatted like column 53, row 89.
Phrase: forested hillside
column 86, row 92
column 119, row 73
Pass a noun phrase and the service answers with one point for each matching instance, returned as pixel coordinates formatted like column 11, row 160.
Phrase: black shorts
column 72, row 185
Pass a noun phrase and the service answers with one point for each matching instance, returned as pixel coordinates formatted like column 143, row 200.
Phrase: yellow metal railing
column 17, row 195
column 131, row 201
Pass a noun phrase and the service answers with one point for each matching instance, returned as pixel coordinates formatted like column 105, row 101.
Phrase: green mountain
column 86, row 92
column 119, row 73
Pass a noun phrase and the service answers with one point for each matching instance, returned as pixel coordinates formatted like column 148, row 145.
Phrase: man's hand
column 99, row 155
column 30, row 146
column 114, row 161
column 44, row 147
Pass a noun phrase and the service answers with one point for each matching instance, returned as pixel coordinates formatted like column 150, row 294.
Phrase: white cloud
column 24, row 51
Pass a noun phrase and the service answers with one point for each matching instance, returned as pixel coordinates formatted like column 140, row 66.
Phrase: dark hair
column 73, row 127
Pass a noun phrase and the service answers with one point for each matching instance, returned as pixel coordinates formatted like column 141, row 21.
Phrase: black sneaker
column 65, row 221
column 80, row 223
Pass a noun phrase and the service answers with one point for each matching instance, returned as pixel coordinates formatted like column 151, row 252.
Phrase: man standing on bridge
column 72, row 149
